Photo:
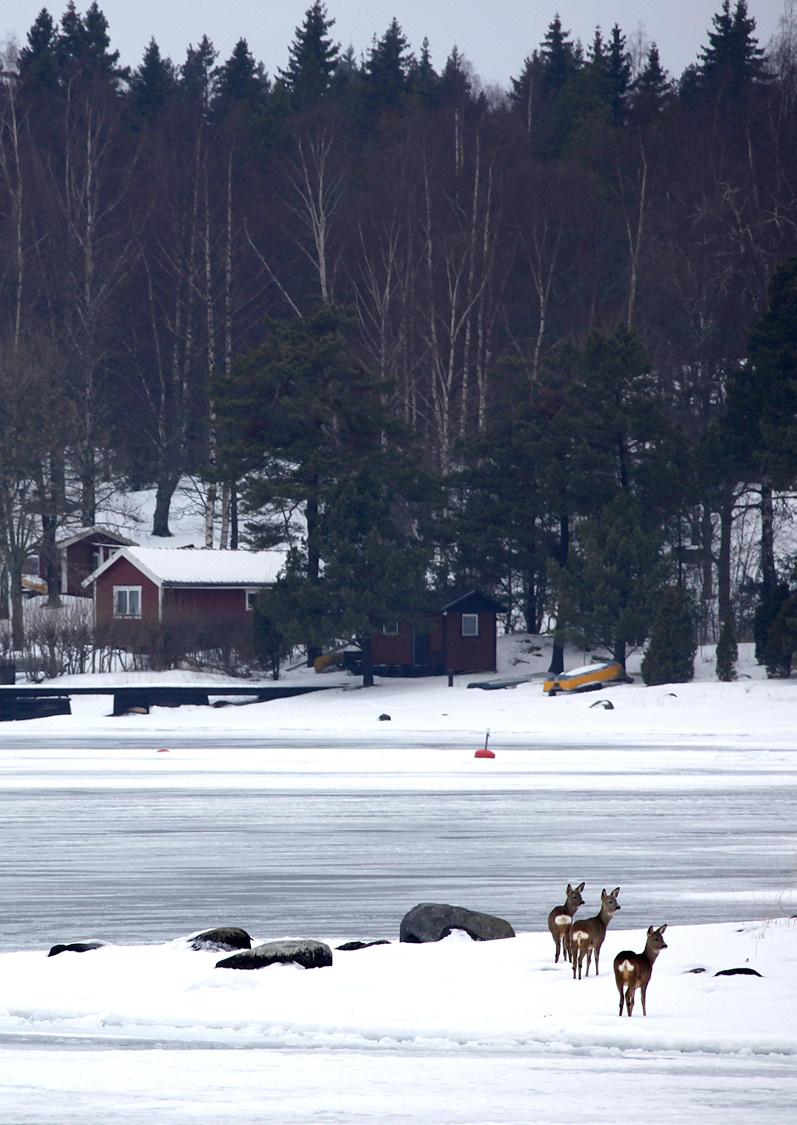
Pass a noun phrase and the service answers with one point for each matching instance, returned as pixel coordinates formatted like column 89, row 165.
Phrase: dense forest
column 540, row 341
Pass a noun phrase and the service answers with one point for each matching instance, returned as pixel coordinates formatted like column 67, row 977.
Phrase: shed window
column 470, row 624
column 390, row 629
column 127, row 601
column 251, row 598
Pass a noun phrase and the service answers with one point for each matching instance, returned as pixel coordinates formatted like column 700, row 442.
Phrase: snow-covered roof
column 173, row 566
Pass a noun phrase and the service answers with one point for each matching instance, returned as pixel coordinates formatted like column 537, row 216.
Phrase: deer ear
column 616, row 891
column 580, row 887
column 662, row 928
column 650, row 930
column 569, row 889
column 603, row 893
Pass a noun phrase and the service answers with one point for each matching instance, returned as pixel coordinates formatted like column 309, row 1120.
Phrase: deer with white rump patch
column 561, row 919
column 632, row 970
column 586, row 936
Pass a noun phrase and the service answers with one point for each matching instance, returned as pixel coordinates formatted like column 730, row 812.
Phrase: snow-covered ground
column 452, row 1033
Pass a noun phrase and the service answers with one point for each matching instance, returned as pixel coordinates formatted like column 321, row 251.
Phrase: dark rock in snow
column 699, row 969
column 741, row 972
column 384, row 718
column 223, row 938
column 348, row 946
column 432, row 921
column 76, row 947
column 308, row 954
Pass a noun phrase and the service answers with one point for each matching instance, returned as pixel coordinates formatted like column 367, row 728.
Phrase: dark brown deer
column 561, row 919
column 632, row 970
column 586, row 936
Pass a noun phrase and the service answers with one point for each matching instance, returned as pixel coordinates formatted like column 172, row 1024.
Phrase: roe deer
column 586, row 936
column 561, row 919
column 632, row 970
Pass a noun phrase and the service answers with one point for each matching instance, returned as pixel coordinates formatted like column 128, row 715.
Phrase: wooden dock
column 35, row 701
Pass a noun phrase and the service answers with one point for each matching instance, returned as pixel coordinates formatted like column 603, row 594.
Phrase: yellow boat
column 590, row 677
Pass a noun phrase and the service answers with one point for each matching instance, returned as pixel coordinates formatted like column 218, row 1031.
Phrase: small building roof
column 67, row 536
column 474, row 601
column 176, row 566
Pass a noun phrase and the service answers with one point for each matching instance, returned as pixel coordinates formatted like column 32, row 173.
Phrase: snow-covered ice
column 697, row 778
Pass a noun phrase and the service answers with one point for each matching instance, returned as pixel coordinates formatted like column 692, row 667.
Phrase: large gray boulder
column 225, row 939
column 432, row 921
column 308, row 954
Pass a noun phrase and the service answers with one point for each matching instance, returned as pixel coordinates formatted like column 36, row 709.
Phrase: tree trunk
column 768, row 575
column 724, row 610
column 367, row 661
column 5, row 608
column 557, row 665
column 163, row 499
column 17, row 619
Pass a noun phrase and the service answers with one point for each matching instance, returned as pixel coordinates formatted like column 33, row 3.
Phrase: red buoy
column 484, row 752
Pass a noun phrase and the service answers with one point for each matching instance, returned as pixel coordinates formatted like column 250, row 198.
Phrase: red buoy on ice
column 484, row 752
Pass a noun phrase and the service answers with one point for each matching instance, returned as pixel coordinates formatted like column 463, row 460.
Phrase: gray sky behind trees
column 495, row 35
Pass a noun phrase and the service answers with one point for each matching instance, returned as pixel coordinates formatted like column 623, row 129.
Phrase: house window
column 251, row 598
column 390, row 629
column 127, row 601
column 470, row 624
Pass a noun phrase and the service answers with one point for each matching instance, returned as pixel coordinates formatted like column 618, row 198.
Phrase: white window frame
column 472, row 620
column 126, row 591
column 250, row 596
column 390, row 628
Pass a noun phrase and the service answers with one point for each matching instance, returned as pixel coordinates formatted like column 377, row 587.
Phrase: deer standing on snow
column 561, row 919
column 586, row 936
column 632, row 970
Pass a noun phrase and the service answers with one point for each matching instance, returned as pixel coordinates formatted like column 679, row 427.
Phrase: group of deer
column 579, row 940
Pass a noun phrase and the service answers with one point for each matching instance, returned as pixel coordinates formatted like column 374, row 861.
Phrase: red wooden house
column 79, row 554
column 149, row 584
column 460, row 637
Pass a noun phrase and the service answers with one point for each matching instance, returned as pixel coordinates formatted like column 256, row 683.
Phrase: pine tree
column 670, row 656
column 153, row 83
column 312, row 59
column 771, row 640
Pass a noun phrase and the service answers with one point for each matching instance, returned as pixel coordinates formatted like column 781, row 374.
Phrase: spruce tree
column 618, row 74
column 38, row 59
column 387, row 68
column 652, row 87
column 240, row 81
column 558, row 58
column 731, row 62
column 197, row 74
column 152, row 83
column 670, row 655
column 312, row 59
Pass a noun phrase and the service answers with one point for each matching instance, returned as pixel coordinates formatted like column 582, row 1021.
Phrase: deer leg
column 597, row 955
column 644, row 990
column 558, row 941
column 589, row 958
column 629, row 1000
column 622, row 997
column 566, row 946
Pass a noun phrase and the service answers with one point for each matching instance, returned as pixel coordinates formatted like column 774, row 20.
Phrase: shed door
column 422, row 646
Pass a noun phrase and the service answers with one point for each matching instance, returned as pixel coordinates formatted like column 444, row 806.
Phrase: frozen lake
column 135, row 861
